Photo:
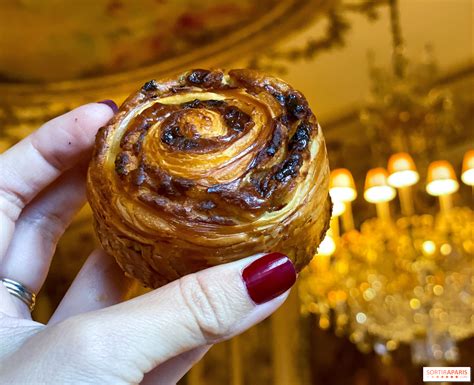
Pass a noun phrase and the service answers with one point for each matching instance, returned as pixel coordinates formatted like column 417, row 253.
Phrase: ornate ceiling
column 100, row 38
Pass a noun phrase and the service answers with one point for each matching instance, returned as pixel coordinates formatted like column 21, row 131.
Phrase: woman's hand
column 91, row 338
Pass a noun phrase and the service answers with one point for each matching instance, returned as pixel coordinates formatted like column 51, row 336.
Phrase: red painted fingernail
column 111, row 104
column 268, row 277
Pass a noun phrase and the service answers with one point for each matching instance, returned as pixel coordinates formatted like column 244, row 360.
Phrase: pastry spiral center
column 201, row 123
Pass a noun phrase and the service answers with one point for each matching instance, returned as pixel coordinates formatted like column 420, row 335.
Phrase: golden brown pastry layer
column 208, row 168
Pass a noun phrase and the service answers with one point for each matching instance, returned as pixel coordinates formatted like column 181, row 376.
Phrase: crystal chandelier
column 405, row 278
column 397, row 280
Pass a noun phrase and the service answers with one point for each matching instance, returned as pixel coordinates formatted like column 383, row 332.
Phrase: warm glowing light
column 441, row 179
column 428, row 247
column 369, row 294
column 342, row 267
column 327, row 246
column 446, row 249
column 342, row 186
column 377, row 188
column 338, row 207
column 324, row 323
column 391, row 345
column 467, row 175
column 415, row 303
column 438, row 290
column 402, row 170
column 361, row 318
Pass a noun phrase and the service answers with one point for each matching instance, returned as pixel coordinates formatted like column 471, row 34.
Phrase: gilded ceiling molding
column 277, row 60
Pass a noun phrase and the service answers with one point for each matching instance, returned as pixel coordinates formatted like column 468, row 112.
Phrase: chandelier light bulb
column 377, row 189
column 467, row 175
column 402, row 170
column 338, row 207
column 441, row 179
column 428, row 248
column 342, row 186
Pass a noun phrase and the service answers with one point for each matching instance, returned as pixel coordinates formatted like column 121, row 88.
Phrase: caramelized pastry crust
column 208, row 168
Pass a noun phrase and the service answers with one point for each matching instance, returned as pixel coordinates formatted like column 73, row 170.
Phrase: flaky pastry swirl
column 207, row 168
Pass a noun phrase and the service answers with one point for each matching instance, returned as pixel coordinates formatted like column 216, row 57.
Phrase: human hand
column 92, row 337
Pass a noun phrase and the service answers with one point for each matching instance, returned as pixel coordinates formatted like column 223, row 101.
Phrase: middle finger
column 100, row 283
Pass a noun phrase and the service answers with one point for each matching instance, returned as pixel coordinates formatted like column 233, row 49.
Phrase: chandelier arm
column 397, row 40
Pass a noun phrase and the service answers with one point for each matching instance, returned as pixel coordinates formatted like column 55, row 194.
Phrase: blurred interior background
column 391, row 82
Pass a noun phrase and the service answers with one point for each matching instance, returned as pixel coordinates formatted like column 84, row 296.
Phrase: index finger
column 36, row 161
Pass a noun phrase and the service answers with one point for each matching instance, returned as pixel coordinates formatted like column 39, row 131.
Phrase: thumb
column 198, row 309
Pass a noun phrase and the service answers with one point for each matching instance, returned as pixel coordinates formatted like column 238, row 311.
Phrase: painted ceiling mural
column 96, row 37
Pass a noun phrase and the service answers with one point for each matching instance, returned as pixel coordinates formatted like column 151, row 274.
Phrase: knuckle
column 209, row 309
column 11, row 204
column 50, row 223
column 52, row 160
column 81, row 336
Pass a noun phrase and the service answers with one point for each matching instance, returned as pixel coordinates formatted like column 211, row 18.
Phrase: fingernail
column 268, row 277
column 111, row 104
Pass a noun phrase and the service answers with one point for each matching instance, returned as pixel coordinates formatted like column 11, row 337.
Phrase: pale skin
column 94, row 336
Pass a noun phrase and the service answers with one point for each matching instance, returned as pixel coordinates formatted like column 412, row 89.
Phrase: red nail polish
column 268, row 277
column 111, row 104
